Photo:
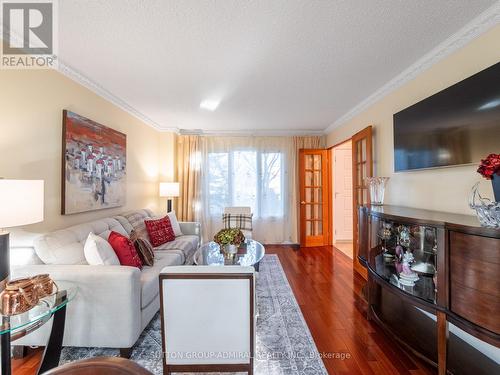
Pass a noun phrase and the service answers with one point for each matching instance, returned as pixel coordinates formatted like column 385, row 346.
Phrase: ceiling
column 280, row 65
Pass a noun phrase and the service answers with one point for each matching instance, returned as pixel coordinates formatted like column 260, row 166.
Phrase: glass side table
column 16, row 326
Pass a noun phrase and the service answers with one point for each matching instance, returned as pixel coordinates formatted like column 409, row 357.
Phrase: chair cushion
column 160, row 231
column 125, row 250
column 149, row 275
column 98, row 252
column 240, row 221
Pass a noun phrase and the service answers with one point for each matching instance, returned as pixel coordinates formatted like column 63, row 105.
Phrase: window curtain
column 189, row 176
column 248, row 171
column 261, row 172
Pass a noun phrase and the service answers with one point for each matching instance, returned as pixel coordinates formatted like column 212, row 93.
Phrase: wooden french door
column 314, row 177
column 362, row 167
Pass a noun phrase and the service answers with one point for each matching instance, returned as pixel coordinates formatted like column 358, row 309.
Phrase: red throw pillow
column 160, row 231
column 125, row 250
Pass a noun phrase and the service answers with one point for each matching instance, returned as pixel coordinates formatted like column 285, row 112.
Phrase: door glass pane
column 317, row 178
column 365, row 196
column 317, row 195
column 308, row 228
column 363, row 175
column 363, row 150
column 318, row 210
column 318, row 228
column 317, row 162
column 309, row 178
column 358, row 151
column 309, row 161
column 358, row 175
column 308, row 212
column 309, row 194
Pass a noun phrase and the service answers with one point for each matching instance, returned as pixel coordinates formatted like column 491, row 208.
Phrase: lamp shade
column 21, row 202
column 169, row 189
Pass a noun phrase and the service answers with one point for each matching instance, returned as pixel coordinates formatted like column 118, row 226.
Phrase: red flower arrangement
column 490, row 166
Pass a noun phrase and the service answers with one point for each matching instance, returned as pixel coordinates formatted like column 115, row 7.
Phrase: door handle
column 303, row 202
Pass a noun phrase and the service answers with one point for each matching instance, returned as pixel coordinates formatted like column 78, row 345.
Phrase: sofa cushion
column 66, row 246
column 186, row 244
column 160, row 231
column 134, row 220
column 125, row 250
column 144, row 249
column 98, row 252
column 175, row 223
column 149, row 275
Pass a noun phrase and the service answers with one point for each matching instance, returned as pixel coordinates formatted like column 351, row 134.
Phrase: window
column 246, row 178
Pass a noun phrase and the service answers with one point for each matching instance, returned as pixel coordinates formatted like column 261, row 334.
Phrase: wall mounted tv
column 459, row 125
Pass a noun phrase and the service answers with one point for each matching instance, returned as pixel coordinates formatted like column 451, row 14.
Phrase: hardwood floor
column 329, row 293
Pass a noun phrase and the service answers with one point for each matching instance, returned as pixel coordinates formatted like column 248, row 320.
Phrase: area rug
column 284, row 344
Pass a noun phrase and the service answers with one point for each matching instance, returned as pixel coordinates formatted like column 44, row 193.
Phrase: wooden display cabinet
column 434, row 285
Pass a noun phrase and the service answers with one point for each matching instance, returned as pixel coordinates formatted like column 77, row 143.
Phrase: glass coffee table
column 13, row 327
column 250, row 253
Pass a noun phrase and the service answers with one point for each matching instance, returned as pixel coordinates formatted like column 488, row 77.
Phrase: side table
column 17, row 326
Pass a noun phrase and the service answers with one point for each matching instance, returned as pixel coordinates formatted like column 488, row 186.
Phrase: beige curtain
column 299, row 142
column 188, row 174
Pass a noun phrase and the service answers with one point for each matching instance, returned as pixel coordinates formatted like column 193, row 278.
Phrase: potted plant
column 490, row 169
column 229, row 240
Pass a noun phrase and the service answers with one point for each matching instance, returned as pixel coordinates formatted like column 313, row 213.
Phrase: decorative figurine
column 404, row 236
column 407, row 276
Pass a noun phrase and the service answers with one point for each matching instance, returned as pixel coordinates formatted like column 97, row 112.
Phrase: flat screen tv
column 459, row 125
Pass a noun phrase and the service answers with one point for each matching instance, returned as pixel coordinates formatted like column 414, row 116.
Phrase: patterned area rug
column 284, row 344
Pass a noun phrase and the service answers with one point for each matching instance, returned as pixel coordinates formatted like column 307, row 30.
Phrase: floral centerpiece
column 490, row 169
column 487, row 211
column 229, row 240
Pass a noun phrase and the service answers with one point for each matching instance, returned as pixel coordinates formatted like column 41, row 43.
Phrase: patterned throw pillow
column 240, row 221
column 144, row 249
column 125, row 250
column 160, row 231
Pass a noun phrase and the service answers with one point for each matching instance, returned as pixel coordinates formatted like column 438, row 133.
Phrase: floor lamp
column 21, row 203
column 169, row 190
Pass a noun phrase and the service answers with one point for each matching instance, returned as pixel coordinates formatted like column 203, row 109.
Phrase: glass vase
column 376, row 186
column 487, row 211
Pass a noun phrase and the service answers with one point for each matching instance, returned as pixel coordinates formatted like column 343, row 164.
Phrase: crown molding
column 83, row 80
column 252, row 133
column 479, row 25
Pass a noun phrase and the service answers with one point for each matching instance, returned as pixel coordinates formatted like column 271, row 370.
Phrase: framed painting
column 94, row 165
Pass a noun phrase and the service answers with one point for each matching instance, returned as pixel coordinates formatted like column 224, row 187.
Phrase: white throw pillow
column 98, row 252
column 175, row 224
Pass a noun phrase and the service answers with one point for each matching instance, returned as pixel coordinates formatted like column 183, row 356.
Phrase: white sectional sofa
column 114, row 303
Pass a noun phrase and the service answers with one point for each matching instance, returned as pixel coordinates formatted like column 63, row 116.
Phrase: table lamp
column 21, row 203
column 169, row 190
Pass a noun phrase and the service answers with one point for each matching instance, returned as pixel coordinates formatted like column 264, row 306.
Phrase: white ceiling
column 275, row 65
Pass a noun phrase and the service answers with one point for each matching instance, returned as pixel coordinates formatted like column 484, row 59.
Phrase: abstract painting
column 94, row 165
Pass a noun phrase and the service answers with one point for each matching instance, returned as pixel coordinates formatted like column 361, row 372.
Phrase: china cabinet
column 434, row 285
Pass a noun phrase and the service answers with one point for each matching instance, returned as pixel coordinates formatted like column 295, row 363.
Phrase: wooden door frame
column 331, row 183
column 361, row 134
column 326, row 169
column 365, row 133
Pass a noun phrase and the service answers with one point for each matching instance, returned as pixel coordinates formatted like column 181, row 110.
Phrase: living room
column 281, row 187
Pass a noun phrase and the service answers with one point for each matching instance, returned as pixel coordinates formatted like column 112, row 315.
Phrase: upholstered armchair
column 208, row 318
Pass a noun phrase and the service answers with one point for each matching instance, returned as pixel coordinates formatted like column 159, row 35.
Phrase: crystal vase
column 376, row 186
column 487, row 211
